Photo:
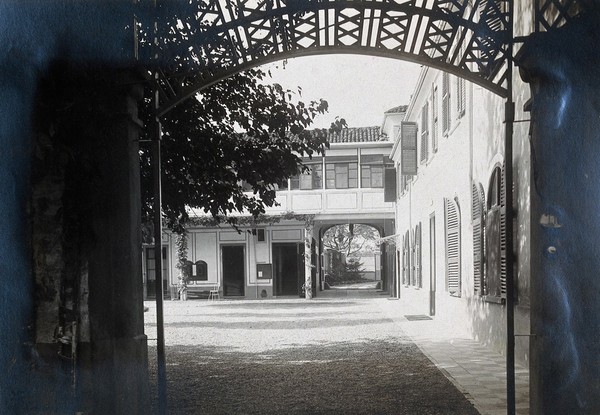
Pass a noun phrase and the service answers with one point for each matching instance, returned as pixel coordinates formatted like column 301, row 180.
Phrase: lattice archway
column 207, row 40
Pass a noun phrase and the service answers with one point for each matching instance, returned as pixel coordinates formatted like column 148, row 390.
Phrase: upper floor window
column 312, row 179
column 461, row 97
column 341, row 172
column 372, row 171
column 425, row 133
column 434, row 119
column 445, row 103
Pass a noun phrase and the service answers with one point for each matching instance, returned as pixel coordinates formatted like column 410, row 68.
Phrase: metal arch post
column 508, row 157
column 157, row 187
column 160, row 329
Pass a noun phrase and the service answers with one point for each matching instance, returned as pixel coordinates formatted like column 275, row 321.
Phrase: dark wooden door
column 287, row 264
column 151, row 272
column 233, row 270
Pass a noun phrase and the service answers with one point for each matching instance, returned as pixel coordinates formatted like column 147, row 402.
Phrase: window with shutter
column 413, row 260
column 503, row 232
column 425, row 133
column 453, row 264
column 461, row 97
column 389, row 190
column 405, row 258
column 418, row 262
column 495, row 239
column 434, row 120
column 445, row 103
column 478, row 219
column 408, row 149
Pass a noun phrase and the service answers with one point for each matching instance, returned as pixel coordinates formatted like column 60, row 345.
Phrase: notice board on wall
column 264, row 271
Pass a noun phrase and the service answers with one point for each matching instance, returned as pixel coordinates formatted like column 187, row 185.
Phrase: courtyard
column 333, row 355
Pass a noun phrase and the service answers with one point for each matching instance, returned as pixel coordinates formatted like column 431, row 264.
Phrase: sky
column 358, row 88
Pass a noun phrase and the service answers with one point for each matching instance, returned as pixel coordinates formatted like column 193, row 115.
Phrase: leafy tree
column 239, row 131
column 349, row 239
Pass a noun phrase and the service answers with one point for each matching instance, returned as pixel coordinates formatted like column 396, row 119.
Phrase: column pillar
column 561, row 67
column 308, row 267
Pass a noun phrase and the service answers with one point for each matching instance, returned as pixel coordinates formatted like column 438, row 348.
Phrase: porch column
column 308, row 237
column 561, row 67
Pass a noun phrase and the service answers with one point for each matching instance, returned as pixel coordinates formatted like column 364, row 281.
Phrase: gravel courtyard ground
column 292, row 356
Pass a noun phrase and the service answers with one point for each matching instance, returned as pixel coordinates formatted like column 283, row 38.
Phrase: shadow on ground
column 370, row 377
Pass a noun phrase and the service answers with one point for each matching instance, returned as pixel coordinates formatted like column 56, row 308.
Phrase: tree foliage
column 350, row 239
column 237, row 131
column 345, row 241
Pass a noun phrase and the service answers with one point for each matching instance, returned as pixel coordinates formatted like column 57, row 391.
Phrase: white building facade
column 450, row 212
column 273, row 254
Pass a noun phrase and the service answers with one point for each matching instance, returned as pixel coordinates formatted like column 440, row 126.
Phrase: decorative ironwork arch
column 209, row 40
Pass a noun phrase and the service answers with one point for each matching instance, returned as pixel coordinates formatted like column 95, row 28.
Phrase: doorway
column 288, row 268
column 150, row 283
column 232, row 257
column 432, row 263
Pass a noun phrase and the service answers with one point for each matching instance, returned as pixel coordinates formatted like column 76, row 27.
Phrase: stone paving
column 475, row 371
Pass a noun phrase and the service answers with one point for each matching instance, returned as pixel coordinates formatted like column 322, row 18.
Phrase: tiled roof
column 357, row 135
column 398, row 109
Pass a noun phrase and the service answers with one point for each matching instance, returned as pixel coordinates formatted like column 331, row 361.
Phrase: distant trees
column 345, row 242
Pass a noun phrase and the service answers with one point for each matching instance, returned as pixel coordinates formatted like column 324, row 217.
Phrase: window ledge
column 494, row 299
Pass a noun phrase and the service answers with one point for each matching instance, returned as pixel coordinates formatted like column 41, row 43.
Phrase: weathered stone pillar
column 308, row 266
column 118, row 346
column 562, row 69
column 87, row 244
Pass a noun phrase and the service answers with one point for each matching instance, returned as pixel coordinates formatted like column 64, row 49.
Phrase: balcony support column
column 308, row 266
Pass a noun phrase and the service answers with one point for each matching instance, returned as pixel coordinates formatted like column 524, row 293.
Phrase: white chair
column 213, row 293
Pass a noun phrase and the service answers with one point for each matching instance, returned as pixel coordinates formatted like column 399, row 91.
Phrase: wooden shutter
column 503, row 232
column 461, row 97
column 413, row 261
column 434, row 121
column 478, row 225
column 493, row 253
column 445, row 102
column 408, row 141
column 425, row 133
column 405, row 261
column 418, row 259
column 389, row 184
column 453, row 265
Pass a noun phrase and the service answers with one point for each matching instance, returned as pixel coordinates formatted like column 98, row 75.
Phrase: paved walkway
column 476, row 370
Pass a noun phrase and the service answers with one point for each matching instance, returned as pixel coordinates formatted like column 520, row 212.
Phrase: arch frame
column 207, row 41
